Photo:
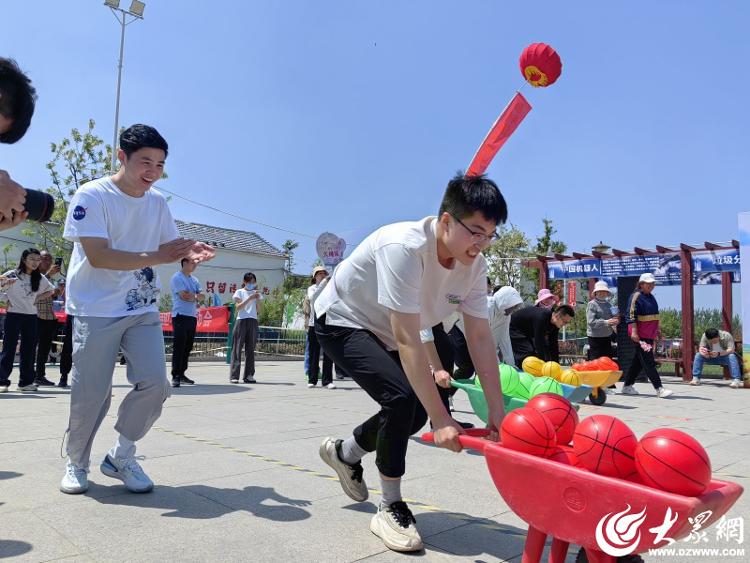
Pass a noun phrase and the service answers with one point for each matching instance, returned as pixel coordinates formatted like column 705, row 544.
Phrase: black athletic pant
column 647, row 362
column 46, row 331
column 314, row 356
column 600, row 346
column 66, row 355
column 461, row 357
column 446, row 353
column 183, row 337
column 23, row 326
column 379, row 373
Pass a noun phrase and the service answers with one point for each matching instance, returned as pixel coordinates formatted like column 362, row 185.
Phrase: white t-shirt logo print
column 453, row 299
column 146, row 292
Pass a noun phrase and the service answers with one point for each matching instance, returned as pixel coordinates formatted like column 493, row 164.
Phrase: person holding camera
column 17, row 102
column 21, row 288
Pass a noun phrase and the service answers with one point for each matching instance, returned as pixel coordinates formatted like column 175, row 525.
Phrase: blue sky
column 343, row 116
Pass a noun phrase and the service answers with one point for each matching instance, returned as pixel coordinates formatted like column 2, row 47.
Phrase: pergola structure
column 686, row 261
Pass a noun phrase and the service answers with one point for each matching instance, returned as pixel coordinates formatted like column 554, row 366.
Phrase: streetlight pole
column 136, row 11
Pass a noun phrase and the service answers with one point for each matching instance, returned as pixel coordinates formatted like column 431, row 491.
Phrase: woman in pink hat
column 546, row 299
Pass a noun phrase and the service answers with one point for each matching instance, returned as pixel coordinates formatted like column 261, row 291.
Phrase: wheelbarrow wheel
column 600, row 398
column 581, row 558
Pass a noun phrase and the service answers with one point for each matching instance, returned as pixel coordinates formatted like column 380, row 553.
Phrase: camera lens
column 39, row 205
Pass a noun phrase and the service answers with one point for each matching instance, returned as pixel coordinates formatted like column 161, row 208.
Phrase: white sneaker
column 735, row 384
column 310, row 385
column 350, row 476
column 695, row 381
column 394, row 524
column 331, row 386
column 610, row 390
column 4, row 388
column 30, row 388
column 663, row 393
column 75, row 481
column 129, row 472
column 629, row 390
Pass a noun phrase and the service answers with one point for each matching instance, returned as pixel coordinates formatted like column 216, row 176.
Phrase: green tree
column 545, row 244
column 77, row 159
column 286, row 297
column 7, row 249
column 504, row 256
column 289, row 247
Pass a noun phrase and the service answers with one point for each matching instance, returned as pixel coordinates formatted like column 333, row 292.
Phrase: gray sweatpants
column 96, row 341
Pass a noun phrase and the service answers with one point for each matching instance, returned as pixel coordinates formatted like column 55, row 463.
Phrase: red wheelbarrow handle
column 474, row 438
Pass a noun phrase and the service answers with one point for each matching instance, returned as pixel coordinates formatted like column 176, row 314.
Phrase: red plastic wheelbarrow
column 570, row 503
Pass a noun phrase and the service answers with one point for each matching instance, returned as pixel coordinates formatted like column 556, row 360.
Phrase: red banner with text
column 210, row 319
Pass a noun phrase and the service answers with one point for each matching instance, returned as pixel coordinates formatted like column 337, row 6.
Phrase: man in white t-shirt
column 245, row 334
column 120, row 228
column 403, row 278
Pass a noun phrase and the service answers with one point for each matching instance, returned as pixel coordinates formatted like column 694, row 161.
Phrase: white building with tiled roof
column 237, row 252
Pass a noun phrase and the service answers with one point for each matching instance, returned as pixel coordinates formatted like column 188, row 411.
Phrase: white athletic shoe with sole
column 350, row 476
column 663, row 393
column 735, row 384
column 629, row 390
column 331, row 386
column 129, row 472
column 75, row 481
column 395, row 525
column 695, row 381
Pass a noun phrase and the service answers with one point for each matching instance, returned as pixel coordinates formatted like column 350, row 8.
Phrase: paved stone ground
column 239, row 478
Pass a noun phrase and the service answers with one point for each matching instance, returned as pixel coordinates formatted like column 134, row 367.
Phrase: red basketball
column 559, row 412
column 605, row 445
column 566, row 455
column 527, row 430
column 673, row 461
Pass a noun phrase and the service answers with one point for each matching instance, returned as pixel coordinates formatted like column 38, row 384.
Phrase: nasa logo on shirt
column 79, row 212
column 453, row 299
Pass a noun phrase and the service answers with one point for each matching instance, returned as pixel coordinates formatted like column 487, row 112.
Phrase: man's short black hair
column 248, row 277
column 712, row 333
column 17, row 100
column 141, row 136
column 466, row 195
column 565, row 310
column 182, row 262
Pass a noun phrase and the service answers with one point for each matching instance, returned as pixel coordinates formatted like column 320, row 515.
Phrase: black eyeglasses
column 478, row 237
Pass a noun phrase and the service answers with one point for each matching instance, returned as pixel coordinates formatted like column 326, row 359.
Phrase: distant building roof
column 230, row 239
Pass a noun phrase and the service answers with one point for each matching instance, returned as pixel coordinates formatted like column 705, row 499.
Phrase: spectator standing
column 47, row 324
column 601, row 324
column 245, row 335
column 22, row 287
column 186, row 293
column 318, row 275
column 643, row 327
